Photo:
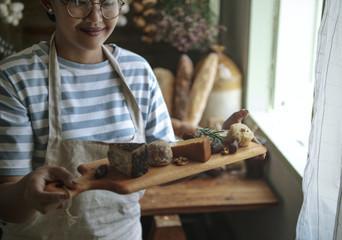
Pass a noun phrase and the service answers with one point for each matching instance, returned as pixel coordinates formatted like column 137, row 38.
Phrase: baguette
column 201, row 89
column 180, row 127
column 166, row 81
column 183, row 82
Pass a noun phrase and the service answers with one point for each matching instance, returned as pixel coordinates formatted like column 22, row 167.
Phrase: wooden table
column 227, row 192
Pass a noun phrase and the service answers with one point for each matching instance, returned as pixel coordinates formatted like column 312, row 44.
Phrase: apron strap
column 131, row 102
column 55, row 124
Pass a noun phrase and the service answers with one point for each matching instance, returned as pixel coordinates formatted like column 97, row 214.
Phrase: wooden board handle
column 58, row 188
column 86, row 181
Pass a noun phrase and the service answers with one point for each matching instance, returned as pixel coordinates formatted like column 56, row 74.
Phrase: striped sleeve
column 158, row 122
column 16, row 136
column 145, row 87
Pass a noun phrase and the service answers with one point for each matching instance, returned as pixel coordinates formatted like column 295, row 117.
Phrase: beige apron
column 100, row 214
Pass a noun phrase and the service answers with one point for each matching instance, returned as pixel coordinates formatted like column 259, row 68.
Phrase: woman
column 57, row 103
column 58, row 100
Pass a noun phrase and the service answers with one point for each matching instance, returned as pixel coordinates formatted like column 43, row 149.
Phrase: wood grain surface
column 119, row 183
column 230, row 191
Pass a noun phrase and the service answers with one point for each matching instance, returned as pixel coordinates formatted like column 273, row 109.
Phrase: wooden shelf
column 228, row 192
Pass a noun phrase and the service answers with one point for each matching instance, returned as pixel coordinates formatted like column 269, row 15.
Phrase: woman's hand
column 22, row 196
column 34, row 185
column 237, row 117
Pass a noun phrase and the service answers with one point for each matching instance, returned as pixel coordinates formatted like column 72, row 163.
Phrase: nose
column 95, row 14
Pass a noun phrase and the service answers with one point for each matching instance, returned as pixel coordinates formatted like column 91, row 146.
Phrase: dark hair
column 51, row 17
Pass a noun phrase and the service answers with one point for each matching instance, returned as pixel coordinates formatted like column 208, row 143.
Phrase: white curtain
column 321, row 213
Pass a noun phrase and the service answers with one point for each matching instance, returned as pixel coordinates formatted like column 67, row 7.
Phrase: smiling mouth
column 92, row 31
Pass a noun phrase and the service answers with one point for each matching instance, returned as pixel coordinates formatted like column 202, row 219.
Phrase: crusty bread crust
column 183, row 82
column 201, row 89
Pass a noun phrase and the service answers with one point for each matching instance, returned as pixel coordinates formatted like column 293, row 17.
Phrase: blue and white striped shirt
column 92, row 105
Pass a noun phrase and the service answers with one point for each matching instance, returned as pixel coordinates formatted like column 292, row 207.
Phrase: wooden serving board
column 119, row 183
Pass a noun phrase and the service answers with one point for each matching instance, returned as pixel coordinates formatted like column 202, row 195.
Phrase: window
column 280, row 79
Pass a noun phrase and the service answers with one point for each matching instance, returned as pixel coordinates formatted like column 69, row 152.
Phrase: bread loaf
column 181, row 127
column 225, row 97
column 200, row 90
column 196, row 149
column 166, row 81
column 183, row 82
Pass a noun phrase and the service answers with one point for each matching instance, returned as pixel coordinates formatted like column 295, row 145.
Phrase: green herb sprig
column 215, row 135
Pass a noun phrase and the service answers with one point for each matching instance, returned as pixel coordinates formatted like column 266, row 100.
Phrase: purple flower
column 187, row 26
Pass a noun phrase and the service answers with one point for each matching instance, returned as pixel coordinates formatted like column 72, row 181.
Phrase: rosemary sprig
column 212, row 133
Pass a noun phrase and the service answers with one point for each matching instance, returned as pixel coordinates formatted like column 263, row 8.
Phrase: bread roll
column 241, row 133
column 150, row 29
column 166, row 80
column 149, row 13
column 137, row 7
column 149, row 3
column 159, row 153
column 139, row 22
column 183, row 82
column 201, row 89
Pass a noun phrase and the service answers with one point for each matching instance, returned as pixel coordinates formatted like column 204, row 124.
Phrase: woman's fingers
column 235, row 118
column 47, row 202
column 262, row 156
column 61, row 174
column 35, row 184
column 42, row 201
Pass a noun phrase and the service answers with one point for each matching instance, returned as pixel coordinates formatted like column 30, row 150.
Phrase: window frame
column 262, row 80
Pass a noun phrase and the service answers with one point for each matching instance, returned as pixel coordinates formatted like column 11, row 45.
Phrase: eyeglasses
column 80, row 9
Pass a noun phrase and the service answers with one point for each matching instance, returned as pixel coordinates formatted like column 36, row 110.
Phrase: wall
column 235, row 17
column 274, row 223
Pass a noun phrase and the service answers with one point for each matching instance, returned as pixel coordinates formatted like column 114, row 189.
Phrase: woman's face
column 80, row 35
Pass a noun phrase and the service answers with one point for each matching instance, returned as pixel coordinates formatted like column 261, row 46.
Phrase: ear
column 47, row 5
